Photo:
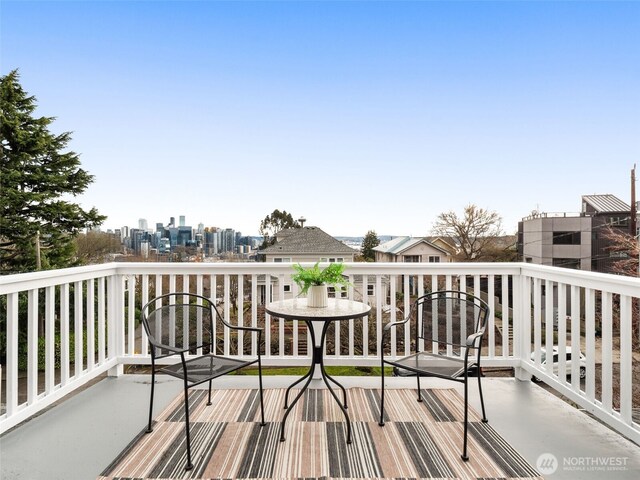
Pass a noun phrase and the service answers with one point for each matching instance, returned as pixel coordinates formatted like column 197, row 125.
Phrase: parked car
column 568, row 362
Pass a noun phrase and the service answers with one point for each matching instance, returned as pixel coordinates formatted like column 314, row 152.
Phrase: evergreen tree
column 37, row 225
column 369, row 242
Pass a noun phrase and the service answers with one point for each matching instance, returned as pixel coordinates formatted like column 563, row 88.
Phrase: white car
column 568, row 362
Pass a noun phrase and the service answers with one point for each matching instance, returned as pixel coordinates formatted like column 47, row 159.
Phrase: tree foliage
column 501, row 249
column 369, row 242
column 475, row 231
column 94, row 247
column 626, row 249
column 37, row 174
column 273, row 223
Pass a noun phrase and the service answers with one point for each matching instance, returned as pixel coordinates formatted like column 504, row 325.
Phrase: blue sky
column 357, row 115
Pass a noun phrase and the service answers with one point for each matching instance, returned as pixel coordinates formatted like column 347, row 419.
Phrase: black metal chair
column 182, row 324
column 449, row 327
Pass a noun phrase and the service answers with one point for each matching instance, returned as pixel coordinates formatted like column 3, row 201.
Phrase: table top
column 336, row 309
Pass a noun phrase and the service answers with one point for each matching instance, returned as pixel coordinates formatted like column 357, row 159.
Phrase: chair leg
column 209, row 401
column 153, row 384
column 381, row 422
column 419, row 391
column 262, row 424
column 186, row 413
column 464, row 455
column 484, row 415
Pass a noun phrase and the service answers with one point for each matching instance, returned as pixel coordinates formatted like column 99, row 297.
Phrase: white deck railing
column 531, row 307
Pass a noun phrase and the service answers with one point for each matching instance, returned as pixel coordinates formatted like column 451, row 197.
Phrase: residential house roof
column 398, row 245
column 451, row 242
column 307, row 240
column 606, row 203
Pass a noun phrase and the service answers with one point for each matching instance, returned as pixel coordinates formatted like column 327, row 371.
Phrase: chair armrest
column 388, row 326
column 471, row 339
column 247, row 329
column 175, row 350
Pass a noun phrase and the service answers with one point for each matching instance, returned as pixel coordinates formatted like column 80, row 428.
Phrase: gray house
column 300, row 245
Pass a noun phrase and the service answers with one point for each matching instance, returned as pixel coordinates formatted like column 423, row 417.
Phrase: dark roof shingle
column 307, row 240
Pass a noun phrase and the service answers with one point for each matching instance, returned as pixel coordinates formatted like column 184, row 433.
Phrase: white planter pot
column 317, row 296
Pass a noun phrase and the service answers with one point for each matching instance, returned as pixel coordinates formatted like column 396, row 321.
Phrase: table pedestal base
column 317, row 359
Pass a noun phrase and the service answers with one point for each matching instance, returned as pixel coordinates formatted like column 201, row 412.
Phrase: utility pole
column 634, row 212
column 38, row 261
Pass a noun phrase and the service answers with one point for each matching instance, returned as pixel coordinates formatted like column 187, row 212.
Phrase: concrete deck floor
column 78, row 438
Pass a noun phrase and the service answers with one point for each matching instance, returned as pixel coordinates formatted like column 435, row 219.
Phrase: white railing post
column 521, row 324
column 12, row 354
column 32, row 349
column 115, row 323
column 626, row 360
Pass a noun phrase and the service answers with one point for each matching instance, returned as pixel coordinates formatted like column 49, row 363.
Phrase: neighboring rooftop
column 400, row 244
column 605, row 203
column 306, row 240
column 591, row 205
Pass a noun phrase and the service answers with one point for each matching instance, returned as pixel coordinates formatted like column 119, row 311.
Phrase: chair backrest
column 181, row 320
column 448, row 317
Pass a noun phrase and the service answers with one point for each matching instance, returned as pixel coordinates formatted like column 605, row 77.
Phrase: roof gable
column 399, row 245
column 307, row 240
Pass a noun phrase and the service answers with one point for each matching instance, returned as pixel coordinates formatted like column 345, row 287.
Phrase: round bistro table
column 318, row 321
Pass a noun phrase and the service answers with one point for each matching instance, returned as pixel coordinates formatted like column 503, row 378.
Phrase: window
column 434, row 258
column 618, row 255
column 528, row 260
column 566, row 263
column 619, row 221
column 332, row 292
column 332, row 259
column 411, row 258
column 282, row 260
column 566, row 238
column 371, row 290
column 287, row 288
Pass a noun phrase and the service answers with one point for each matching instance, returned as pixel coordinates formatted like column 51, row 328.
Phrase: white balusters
column 32, row 346
column 11, row 370
column 64, row 334
column 49, row 339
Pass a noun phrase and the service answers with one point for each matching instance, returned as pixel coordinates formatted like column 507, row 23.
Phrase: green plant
column 331, row 275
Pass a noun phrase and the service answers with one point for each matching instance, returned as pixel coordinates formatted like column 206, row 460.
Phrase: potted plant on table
column 314, row 281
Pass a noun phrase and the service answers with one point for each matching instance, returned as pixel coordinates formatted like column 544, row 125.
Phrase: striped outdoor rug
column 419, row 440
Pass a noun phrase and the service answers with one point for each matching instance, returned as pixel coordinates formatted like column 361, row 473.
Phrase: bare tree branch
column 474, row 232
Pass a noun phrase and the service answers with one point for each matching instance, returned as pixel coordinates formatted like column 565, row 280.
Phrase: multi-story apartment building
column 574, row 240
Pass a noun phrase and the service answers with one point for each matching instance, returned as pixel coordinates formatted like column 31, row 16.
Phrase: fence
column 65, row 327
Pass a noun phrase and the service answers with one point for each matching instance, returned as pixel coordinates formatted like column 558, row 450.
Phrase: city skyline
column 357, row 116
